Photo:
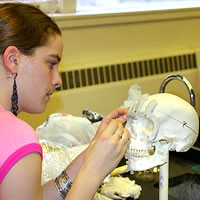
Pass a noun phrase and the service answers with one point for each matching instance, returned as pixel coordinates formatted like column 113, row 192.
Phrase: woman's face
column 38, row 76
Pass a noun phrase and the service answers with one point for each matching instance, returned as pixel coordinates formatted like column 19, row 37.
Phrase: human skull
column 159, row 123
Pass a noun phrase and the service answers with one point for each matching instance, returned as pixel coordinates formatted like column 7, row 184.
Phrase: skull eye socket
column 142, row 124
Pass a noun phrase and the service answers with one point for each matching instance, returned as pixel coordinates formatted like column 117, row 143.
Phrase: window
column 96, row 6
column 134, row 5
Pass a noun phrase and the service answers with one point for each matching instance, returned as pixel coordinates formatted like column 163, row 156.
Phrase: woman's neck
column 6, row 93
column 5, row 102
column 6, row 88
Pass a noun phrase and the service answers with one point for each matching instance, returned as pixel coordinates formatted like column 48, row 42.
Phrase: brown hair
column 24, row 26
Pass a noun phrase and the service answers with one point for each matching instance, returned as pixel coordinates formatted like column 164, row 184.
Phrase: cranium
column 159, row 123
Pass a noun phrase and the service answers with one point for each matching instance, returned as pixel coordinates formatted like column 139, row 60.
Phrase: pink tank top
column 17, row 139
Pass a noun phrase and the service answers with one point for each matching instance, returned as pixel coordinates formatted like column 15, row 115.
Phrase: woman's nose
column 57, row 81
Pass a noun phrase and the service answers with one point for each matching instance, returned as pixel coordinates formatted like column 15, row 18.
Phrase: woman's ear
column 11, row 59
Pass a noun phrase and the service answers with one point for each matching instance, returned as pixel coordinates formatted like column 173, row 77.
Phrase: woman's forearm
column 85, row 185
column 49, row 189
column 50, row 192
column 75, row 165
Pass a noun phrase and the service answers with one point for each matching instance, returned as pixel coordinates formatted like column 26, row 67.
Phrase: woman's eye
column 51, row 64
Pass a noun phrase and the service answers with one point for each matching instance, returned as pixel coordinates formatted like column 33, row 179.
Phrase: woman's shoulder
column 11, row 125
column 15, row 133
column 17, row 139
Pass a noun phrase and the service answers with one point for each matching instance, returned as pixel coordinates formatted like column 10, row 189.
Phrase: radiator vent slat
column 131, row 70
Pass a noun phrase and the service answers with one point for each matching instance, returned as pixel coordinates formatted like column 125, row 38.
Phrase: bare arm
column 49, row 189
column 23, row 181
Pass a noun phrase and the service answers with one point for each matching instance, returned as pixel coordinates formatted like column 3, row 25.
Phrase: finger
column 125, row 147
column 125, row 137
column 118, row 133
column 119, row 113
column 123, row 119
column 112, row 127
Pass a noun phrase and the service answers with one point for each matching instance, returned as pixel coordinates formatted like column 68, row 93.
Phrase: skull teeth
column 139, row 153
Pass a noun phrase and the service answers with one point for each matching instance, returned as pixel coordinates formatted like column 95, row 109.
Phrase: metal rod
column 182, row 79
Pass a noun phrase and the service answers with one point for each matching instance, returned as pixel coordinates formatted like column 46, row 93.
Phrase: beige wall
column 110, row 38
column 95, row 40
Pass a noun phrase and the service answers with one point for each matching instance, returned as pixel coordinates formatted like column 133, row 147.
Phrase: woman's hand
column 119, row 113
column 109, row 144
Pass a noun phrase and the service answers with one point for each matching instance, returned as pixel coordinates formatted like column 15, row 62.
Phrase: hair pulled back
column 24, row 26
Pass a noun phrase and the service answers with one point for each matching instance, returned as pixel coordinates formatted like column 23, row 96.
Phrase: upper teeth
column 139, row 153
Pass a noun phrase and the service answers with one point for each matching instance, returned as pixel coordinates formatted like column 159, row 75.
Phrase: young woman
column 30, row 51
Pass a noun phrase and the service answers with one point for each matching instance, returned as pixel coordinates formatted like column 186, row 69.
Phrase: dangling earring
column 14, row 98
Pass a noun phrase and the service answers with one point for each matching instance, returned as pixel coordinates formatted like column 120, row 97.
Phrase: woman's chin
column 36, row 110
